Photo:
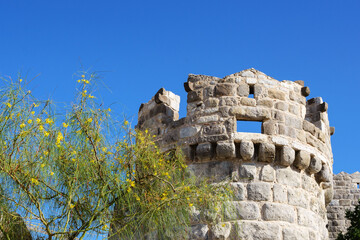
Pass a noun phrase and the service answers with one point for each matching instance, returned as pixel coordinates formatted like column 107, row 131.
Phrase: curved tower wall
column 282, row 177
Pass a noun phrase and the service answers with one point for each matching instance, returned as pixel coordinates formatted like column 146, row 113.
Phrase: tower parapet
column 282, row 177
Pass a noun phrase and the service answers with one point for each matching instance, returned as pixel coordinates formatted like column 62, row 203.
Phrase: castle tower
column 282, row 177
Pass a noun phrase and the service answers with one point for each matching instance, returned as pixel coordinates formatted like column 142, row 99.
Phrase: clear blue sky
column 141, row 46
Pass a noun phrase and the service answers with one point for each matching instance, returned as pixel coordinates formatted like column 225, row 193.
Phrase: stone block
column 283, row 106
column 315, row 165
column 214, row 129
column 239, row 191
column 211, row 102
column 241, row 211
column 189, row 131
column 260, row 92
column 266, row 152
column 293, row 122
column 295, row 233
column 220, row 231
column 247, row 172
column 307, row 218
column 204, row 151
column 199, row 232
column 195, row 96
column 269, row 127
column 276, row 94
column 259, row 191
column 243, row 90
column 254, row 230
column 305, row 91
column 246, row 150
column 278, row 212
column 287, row 156
column 265, row 102
column 302, row 160
column 225, row 149
column 225, row 89
column 298, row 197
column 267, row 173
column 248, row 102
column 209, row 91
column 280, row 193
column 288, row 177
column 324, row 175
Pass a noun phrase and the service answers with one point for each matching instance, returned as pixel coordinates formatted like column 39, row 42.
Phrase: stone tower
column 282, row 177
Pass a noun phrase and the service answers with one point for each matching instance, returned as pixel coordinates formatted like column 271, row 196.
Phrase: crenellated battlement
column 282, row 176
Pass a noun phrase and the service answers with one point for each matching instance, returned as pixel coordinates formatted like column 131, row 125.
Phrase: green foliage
column 68, row 174
column 353, row 232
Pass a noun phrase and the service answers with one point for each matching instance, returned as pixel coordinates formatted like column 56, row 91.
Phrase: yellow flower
column 35, row 105
column 109, row 109
column 59, row 138
column 137, row 198
column 22, row 125
column 29, row 121
column 72, row 205
column 104, row 149
column 79, row 80
column 65, row 125
column 49, row 121
column 84, row 93
column 46, row 134
column 51, row 173
column 41, row 127
column 29, row 92
column 38, row 120
column 35, row 181
column 83, row 76
column 105, row 227
column 190, row 204
column 73, row 152
column 126, row 122
column 8, row 105
column 20, row 80
column 78, row 131
column 32, row 112
column 91, row 96
column 46, row 153
column 89, row 120
column 73, row 159
column 42, row 165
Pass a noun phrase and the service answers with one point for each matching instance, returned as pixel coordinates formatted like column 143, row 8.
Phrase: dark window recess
column 251, row 93
column 357, row 185
column 248, row 126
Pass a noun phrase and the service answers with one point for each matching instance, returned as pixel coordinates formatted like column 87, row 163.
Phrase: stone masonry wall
column 346, row 196
column 282, row 177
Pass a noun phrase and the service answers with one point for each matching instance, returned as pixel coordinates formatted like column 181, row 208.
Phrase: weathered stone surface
column 248, row 102
column 239, row 191
column 269, row 127
column 305, row 91
column 280, row 193
column 225, row 149
column 291, row 233
column 287, row 156
column 324, row 175
column 266, row 152
column 194, row 96
column 204, row 151
column 246, row 150
column 225, row 89
column 243, row 90
column 282, row 106
column 259, row 191
column 315, row 165
column 298, row 197
column 288, row 177
column 302, row 160
column 276, row 94
column 199, row 232
column 247, row 172
column 211, row 102
column 241, row 210
column 189, row 131
column 220, row 231
column 278, row 212
column 267, row 173
column 253, row 230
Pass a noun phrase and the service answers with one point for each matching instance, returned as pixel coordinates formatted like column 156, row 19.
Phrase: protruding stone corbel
column 305, row 91
column 332, row 131
column 323, row 107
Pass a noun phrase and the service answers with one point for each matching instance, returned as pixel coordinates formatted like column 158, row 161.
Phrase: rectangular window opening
column 251, row 92
column 248, row 126
column 357, row 185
